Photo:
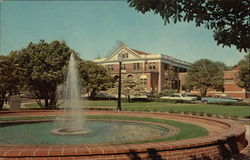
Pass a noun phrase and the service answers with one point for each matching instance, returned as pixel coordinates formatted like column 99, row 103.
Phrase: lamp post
column 119, row 108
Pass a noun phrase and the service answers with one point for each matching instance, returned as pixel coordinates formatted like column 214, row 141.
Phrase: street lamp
column 120, row 58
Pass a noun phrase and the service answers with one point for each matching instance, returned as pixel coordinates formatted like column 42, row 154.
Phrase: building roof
column 140, row 52
column 136, row 54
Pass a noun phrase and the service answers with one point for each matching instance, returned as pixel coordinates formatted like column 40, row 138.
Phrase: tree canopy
column 9, row 79
column 94, row 77
column 44, row 67
column 244, row 72
column 229, row 19
column 204, row 74
column 223, row 66
column 130, row 86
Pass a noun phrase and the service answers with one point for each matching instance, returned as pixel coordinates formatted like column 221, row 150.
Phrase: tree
column 9, row 79
column 44, row 67
column 229, row 19
column 204, row 74
column 223, row 66
column 170, row 77
column 94, row 77
column 130, row 86
column 243, row 76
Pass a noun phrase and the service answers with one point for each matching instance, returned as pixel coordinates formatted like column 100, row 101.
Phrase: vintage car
column 103, row 96
column 179, row 96
column 194, row 95
column 218, row 99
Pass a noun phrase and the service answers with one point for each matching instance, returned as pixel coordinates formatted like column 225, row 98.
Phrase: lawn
column 227, row 111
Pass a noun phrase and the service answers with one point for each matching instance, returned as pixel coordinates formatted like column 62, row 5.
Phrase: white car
column 178, row 96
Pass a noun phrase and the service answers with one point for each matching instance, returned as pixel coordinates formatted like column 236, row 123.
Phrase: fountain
column 142, row 134
column 72, row 121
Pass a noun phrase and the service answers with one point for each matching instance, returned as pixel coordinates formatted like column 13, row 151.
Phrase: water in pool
column 101, row 132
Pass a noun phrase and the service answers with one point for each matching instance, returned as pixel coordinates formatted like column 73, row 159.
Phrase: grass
column 186, row 130
column 208, row 109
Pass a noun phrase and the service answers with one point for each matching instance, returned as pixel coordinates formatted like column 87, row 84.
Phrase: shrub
column 225, row 116
column 209, row 114
column 240, row 103
column 194, row 113
column 201, row 113
column 167, row 100
column 186, row 112
column 218, row 116
column 171, row 111
column 235, row 117
column 156, row 95
column 155, row 110
column 178, row 112
column 248, row 117
column 146, row 110
column 139, row 100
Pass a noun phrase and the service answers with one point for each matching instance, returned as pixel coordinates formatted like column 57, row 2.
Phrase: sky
column 92, row 28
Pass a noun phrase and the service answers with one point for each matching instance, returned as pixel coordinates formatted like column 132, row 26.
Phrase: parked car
column 178, row 96
column 218, row 99
column 226, row 96
column 103, row 96
column 194, row 95
column 141, row 96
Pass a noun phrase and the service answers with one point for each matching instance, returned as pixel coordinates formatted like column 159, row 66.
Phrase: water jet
column 71, row 122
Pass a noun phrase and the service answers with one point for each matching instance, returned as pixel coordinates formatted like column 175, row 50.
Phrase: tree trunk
column 93, row 93
column 1, row 104
column 129, row 100
column 53, row 100
column 46, row 101
column 203, row 92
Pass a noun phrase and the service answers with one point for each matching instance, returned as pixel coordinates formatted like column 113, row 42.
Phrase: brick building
column 230, row 85
column 150, row 68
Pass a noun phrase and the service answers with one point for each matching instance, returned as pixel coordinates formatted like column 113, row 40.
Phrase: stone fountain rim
column 232, row 132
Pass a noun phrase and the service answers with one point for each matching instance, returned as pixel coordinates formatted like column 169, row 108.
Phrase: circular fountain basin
column 225, row 138
column 98, row 131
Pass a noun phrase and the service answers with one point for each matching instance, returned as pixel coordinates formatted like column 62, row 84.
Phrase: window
column 152, row 66
column 143, row 79
column 110, row 67
column 123, row 67
column 136, row 66
column 124, row 55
